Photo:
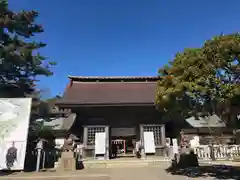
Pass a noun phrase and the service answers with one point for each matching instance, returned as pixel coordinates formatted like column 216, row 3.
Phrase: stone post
column 39, row 148
column 68, row 161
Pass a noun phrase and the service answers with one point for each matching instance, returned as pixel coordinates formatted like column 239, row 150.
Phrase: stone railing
column 221, row 152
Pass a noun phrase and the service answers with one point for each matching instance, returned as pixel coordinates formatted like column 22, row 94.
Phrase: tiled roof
column 61, row 123
column 113, row 92
column 210, row 121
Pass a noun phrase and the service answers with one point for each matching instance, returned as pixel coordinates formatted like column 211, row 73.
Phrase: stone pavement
column 137, row 173
column 125, row 173
column 149, row 173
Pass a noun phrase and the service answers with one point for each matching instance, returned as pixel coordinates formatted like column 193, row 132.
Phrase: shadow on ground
column 216, row 171
column 8, row 172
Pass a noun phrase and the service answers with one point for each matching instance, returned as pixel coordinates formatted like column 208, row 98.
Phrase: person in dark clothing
column 114, row 150
column 11, row 156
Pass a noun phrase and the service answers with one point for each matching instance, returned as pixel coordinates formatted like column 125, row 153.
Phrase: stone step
column 236, row 159
column 123, row 164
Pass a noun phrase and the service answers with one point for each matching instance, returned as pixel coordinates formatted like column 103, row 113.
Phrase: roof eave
column 97, row 78
column 76, row 104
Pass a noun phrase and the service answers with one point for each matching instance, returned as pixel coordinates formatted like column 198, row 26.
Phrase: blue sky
column 124, row 37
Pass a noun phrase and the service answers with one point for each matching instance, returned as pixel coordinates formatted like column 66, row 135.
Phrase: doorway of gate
column 123, row 142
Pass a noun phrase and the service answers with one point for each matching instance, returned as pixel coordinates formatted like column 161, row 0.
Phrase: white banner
column 14, row 123
column 175, row 146
column 149, row 144
column 100, row 143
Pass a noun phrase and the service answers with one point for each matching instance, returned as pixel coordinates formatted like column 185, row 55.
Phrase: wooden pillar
column 107, row 143
column 143, row 155
column 163, row 135
column 85, row 134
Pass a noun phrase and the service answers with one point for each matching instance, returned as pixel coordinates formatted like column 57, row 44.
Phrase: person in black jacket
column 11, row 156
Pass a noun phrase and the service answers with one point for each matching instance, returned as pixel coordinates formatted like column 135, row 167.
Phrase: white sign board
column 149, row 144
column 100, row 143
column 14, row 123
column 175, row 146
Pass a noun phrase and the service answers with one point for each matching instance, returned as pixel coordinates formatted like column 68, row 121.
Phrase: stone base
column 236, row 159
column 67, row 162
column 185, row 160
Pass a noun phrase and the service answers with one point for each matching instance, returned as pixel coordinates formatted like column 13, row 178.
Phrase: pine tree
column 21, row 63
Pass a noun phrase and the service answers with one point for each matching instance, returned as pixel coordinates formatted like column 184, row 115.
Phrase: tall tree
column 203, row 80
column 21, row 62
column 43, row 110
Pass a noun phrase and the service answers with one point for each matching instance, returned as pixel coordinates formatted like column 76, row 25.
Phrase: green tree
column 41, row 109
column 21, row 62
column 201, row 81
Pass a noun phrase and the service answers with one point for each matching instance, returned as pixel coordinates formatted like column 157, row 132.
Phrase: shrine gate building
column 122, row 107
